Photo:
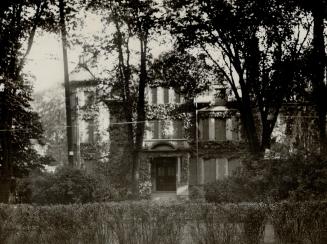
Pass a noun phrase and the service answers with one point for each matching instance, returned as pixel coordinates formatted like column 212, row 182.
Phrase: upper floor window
column 220, row 129
column 163, row 95
column 165, row 129
column 154, row 95
column 212, row 129
column 166, row 95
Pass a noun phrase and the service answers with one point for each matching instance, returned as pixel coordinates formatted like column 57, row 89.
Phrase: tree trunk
column 318, row 72
column 70, row 149
column 140, row 115
column 250, row 130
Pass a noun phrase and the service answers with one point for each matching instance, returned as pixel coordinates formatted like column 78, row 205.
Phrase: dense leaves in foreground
column 297, row 178
column 165, row 223
column 65, row 186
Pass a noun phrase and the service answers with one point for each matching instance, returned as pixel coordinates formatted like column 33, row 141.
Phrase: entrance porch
column 167, row 172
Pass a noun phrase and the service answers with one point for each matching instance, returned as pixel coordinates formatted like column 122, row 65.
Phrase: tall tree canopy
column 19, row 20
column 256, row 45
column 132, row 22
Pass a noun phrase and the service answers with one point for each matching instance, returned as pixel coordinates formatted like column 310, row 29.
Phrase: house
column 186, row 143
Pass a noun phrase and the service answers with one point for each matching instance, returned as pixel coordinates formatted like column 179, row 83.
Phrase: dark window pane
column 205, row 129
column 154, row 94
column 209, row 170
column 177, row 98
column 220, row 129
column 156, row 129
column 166, row 95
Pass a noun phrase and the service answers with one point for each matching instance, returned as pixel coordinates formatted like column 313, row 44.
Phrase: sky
column 45, row 62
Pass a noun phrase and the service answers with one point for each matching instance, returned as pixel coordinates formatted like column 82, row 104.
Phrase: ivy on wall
column 210, row 149
column 88, row 151
column 218, row 114
column 169, row 111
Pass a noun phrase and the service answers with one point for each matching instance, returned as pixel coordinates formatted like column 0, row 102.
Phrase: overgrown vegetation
column 299, row 177
column 170, row 223
column 65, row 186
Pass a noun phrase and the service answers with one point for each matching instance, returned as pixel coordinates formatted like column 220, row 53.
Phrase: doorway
column 166, row 173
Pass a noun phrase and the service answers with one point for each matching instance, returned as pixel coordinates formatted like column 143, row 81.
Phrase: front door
column 166, row 174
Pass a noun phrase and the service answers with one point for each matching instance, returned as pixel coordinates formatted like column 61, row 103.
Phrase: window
column 233, row 164
column 91, row 131
column 221, row 168
column 178, row 128
column 154, row 95
column 205, row 129
column 177, row 97
column 220, row 129
column 155, row 129
column 209, row 170
column 166, row 95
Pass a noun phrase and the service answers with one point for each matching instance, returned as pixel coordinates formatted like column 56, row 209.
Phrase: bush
column 123, row 223
column 166, row 223
column 231, row 223
column 300, row 222
column 297, row 178
column 66, row 185
column 234, row 189
column 196, row 193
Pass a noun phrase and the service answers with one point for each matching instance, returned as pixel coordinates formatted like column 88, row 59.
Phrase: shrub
column 231, row 224
column 298, row 177
column 124, row 223
column 300, row 222
column 163, row 223
column 66, row 185
column 234, row 189
column 196, row 193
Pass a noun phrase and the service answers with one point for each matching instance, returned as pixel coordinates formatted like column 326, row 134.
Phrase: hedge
column 148, row 222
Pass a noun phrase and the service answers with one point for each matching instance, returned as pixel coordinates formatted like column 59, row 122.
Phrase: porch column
column 202, row 171
column 211, row 129
column 178, row 170
column 217, row 169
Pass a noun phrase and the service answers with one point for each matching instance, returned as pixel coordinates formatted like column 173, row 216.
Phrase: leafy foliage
column 65, row 186
column 18, row 124
column 299, row 177
column 187, row 74
column 254, row 45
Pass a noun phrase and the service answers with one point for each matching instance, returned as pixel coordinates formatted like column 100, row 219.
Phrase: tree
column 18, row 124
column 63, row 31
column 255, row 45
column 317, row 65
column 189, row 75
column 131, row 20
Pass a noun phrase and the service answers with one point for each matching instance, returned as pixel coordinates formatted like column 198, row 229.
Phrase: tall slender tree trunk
column 140, row 115
column 69, row 128
column 6, row 149
column 318, row 71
